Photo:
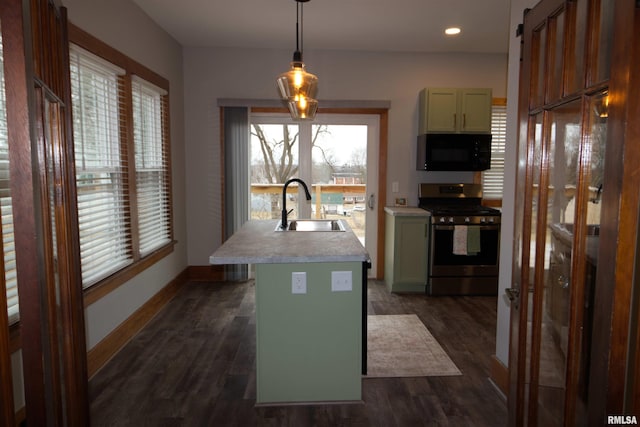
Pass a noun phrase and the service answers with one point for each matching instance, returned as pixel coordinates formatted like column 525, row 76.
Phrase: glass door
column 344, row 174
column 560, row 184
column 335, row 155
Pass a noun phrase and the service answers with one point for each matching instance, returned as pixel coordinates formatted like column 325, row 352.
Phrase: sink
column 314, row 225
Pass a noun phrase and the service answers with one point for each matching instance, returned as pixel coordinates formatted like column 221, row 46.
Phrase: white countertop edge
column 257, row 242
column 405, row 211
column 217, row 260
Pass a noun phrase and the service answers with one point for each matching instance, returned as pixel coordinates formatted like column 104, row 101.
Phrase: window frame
column 133, row 70
column 502, row 104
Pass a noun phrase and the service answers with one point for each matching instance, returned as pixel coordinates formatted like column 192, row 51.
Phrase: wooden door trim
column 16, row 51
column 620, row 206
column 12, row 39
column 612, row 389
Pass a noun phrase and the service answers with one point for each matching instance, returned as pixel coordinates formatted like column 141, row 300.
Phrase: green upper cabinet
column 453, row 110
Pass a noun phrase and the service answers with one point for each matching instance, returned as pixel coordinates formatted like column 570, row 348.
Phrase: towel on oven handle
column 460, row 240
column 466, row 240
column 473, row 240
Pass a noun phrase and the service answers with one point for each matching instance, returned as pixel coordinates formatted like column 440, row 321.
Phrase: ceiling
column 362, row 25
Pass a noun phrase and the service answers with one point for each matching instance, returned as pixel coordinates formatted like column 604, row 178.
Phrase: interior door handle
column 371, row 202
column 514, row 296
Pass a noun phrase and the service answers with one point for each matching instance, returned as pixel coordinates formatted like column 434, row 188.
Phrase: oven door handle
column 482, row 227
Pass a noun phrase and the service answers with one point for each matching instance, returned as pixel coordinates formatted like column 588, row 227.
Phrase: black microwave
column 454, row 152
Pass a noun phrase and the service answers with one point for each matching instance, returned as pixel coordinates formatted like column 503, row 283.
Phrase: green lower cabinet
column 309, row 345
column 405, row 262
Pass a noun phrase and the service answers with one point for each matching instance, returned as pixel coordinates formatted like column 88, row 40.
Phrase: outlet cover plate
column 341, row 281
column 299, row 282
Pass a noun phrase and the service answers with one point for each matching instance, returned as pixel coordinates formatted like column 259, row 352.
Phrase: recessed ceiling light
column 452, row 31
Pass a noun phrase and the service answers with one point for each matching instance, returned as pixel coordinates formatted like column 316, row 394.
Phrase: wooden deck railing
column 347, row 190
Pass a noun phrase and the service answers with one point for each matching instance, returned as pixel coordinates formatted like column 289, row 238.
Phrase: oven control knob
column 491, row 220
column 483, row 219
column 467, row 219
column 442, row 219
column 450, row 219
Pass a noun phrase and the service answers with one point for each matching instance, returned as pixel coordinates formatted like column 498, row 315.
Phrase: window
column 122, row 168
column 6, row 214
column 100, row 175
column 152, row 178
column 492, row 179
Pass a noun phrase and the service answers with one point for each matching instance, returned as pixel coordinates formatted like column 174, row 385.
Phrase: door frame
column 383, row 132
column 51, row 327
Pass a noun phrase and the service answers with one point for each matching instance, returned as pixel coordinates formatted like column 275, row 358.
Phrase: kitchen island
column 310, row 323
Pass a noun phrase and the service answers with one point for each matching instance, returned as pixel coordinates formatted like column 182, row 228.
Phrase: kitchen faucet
column 283, row 225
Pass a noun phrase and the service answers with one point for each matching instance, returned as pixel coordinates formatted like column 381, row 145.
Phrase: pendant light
column 297, row 87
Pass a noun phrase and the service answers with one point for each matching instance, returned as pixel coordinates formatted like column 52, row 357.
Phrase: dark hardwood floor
column 194, row 365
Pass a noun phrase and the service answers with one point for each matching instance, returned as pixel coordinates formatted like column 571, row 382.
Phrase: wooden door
column 563, row 143
column 51, row 322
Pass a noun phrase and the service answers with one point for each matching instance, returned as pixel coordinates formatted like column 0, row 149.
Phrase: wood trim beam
column 383, row 150
column 18, row 77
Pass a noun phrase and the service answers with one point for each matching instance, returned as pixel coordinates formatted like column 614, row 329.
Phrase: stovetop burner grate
column 459, row 209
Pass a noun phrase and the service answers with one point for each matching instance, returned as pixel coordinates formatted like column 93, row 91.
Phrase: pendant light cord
column 301, row 28
column 297, row 26
column 297, row 55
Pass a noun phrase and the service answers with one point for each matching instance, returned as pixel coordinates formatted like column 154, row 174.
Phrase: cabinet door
column 441, row 110
column 475, row 111
column 455, row 110
column 411, row 249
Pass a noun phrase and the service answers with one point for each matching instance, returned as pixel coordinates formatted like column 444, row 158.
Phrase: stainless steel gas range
column 464, row 244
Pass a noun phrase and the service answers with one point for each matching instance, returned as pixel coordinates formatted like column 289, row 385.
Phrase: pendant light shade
column 297, row 87
column 303, row 109
column 297, row 81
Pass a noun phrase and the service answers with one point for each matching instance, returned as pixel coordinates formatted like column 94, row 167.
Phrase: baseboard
column 102, row 352
column 206, row 273
column 499, row 373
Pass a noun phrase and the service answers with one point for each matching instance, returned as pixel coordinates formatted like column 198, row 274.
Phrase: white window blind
column 6, row 213
column 103, row 205
column 492, row 179
column 151, row 163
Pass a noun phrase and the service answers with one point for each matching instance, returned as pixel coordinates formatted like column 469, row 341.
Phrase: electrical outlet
column 299, row 282
column 341, row 281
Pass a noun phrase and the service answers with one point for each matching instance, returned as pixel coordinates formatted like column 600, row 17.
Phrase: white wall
column 508, row 201
column 123, row 26
column 212, row 73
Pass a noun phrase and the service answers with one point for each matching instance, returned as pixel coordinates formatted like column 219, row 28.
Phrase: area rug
column 401, row 346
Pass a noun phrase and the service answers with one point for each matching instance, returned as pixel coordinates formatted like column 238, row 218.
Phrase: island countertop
column 257, row 242
column 405, row 211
